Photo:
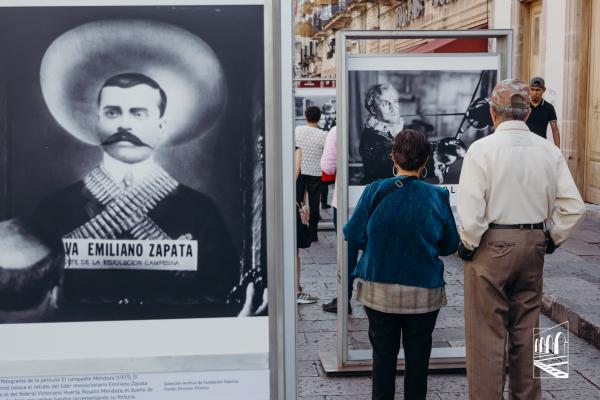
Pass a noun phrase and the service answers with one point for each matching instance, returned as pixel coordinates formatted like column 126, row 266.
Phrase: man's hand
column 550, row 245
column 248, row 310
column 465, row 253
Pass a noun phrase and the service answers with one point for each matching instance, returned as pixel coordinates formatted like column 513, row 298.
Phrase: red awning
column 431, row 46
column 461, row 45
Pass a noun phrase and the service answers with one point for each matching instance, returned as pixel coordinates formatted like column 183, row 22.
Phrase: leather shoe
column 332, row 306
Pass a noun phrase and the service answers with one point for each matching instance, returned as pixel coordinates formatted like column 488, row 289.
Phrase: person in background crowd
column 510, row 183
column 311, row 140
column 326, row 122
column 403, row 226
column 328, row 165
column 302, row 233
column 325, row 195
column 542, row 112
column 382, row 101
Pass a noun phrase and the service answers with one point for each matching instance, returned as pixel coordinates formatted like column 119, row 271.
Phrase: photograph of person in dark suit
column 382, row 103
column 381, row 127
column 130, row 196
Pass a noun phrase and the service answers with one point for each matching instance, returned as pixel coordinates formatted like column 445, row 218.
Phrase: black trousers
column 385, row 331
column 312, row 185
column 324, row 193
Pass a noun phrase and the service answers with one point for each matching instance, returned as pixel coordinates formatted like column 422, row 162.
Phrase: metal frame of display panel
column 297, row 81
column 282, row 266
column 343, row 360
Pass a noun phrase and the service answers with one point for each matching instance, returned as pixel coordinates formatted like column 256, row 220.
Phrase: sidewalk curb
column 593, row 211
column 581, row 327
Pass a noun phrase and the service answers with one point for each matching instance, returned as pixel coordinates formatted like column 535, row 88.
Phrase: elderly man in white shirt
column 513, row 185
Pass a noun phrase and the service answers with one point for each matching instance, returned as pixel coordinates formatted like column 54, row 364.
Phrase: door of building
column 535, row 51
column 592, row 162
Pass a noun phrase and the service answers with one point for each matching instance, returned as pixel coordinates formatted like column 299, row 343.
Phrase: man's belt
column 518, row 226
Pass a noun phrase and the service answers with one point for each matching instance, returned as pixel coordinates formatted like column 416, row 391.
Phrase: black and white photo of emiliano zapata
column 449, row 107
column 137, row 109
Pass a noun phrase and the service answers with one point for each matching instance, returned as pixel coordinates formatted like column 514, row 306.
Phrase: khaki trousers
column 503, row 291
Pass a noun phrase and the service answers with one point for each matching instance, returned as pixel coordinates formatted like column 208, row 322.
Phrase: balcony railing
column 340, row 6
column 317, row 23
column 330, row 8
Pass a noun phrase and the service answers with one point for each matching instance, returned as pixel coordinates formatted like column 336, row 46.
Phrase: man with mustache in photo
column 134, row 100
column 130, row 196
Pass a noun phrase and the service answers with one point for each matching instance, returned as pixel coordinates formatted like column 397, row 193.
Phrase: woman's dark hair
column 410, row 150
column 312, row 114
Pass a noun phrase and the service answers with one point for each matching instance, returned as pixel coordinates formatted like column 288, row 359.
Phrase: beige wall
column 564, row 43
column 514, row 15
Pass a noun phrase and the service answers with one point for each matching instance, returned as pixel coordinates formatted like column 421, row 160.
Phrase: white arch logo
column 551, row 352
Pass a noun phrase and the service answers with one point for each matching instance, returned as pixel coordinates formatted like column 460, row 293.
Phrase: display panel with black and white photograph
column 324, row 98
column 446, row 101
column 132, row 165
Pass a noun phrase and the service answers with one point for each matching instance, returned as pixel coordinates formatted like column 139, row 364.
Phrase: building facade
column 560, row 41
column 556, row 39
column 315, row 47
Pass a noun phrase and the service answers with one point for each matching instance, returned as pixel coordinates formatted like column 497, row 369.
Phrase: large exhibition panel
column 137, row 212
column 444, row 96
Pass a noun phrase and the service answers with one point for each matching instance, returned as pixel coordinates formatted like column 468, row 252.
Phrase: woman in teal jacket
column 403, row 225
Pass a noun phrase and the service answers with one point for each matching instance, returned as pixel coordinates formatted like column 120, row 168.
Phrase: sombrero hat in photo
column 78, row 62
column 30, row 271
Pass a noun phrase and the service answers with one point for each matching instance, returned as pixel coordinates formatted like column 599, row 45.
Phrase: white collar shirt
column 515, row 177
column 124, row 174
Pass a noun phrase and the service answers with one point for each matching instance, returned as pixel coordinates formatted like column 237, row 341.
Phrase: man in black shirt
column 542, row 112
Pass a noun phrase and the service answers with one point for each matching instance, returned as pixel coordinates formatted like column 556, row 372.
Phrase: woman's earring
column 396, row 170
column 424, row 175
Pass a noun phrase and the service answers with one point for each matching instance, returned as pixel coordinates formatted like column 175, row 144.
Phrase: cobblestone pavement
column 567, row 276
column 572, row 280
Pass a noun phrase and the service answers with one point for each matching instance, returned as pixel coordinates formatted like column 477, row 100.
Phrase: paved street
column 572, row 280
column 572, row 289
